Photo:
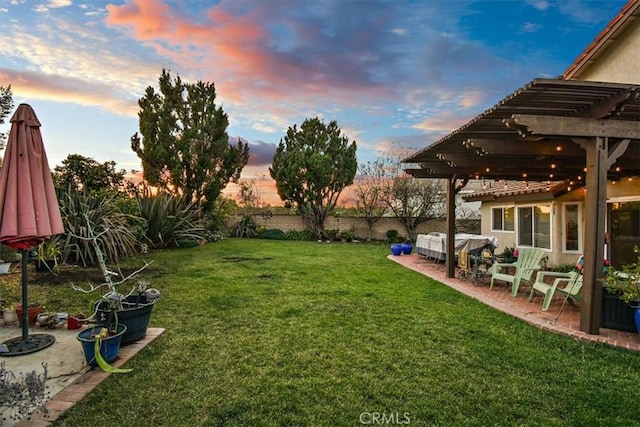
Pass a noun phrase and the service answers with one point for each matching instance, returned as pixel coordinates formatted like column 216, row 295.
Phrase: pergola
column 584, row 133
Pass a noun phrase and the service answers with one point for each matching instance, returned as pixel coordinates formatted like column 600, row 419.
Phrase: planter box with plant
column 626, row 284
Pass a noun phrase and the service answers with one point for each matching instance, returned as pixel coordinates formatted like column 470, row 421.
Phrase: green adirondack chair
column 528, row 261
column 572, row 281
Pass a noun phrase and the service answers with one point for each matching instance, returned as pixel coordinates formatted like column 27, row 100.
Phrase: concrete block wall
column 357, row 226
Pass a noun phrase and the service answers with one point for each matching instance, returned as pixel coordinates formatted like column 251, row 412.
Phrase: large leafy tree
column 6, row 105
column 311, row 167
column 80, row 173
column 185, row 149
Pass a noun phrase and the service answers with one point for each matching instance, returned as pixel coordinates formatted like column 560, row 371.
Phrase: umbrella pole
column 25, row 305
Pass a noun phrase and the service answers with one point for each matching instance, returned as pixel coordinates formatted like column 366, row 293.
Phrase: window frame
column 502, row 209
column 519, row 227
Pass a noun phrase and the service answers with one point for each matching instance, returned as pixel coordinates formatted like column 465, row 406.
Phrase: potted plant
column 125, row 316
column 33, row 310
column 9, row 315
column 133, row 310
column 626, row 284
column 101, row 345
column 48, row 253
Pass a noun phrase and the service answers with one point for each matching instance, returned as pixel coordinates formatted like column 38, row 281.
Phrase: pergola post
column 450, row 259
column 594, row 235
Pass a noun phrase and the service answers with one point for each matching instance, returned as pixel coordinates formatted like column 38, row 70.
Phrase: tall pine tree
column 185, row 149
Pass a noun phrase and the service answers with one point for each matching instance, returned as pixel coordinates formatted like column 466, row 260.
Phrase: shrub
column 333, row 234
column 347, row 235
column 7, row 254
column 217, row 217
column 22, row 393
column 169, row 222
column 303, row 235
column 116, row 231
column 246, row 227
column 625, row 283
column 273, row 233
column 392, row 236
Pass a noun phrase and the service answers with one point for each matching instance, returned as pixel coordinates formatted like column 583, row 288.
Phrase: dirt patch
column 242, row 259
column 66, row 274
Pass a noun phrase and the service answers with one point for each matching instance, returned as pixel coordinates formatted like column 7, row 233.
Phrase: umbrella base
column 18, row 346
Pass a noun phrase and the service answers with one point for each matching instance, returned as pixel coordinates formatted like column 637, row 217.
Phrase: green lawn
column 301, row 333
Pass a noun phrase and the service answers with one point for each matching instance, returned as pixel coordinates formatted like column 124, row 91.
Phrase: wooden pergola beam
column 528, row 124
column 546, row 147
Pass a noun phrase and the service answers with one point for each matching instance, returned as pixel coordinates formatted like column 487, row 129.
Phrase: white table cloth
column 434, row 245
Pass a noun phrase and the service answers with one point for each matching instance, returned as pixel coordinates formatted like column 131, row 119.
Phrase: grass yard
column 274, row 333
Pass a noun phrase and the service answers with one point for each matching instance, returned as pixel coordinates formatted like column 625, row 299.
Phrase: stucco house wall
column 619, row 60
column 621, row 191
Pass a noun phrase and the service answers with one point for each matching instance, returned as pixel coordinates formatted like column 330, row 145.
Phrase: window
column 502, row 219
column 572, row 227
column 534, row 226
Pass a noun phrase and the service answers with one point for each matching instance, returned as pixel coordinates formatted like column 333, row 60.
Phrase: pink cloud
column 237, row 49
column 33, row 85
column 147, row 18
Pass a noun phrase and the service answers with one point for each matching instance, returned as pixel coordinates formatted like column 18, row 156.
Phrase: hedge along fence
column 355, row 225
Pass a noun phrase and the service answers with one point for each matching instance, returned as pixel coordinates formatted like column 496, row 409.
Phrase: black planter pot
column 45, row 265
column 135, row 316
column 617, row 314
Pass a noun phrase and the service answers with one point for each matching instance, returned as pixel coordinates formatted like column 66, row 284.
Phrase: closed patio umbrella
column 29, row 211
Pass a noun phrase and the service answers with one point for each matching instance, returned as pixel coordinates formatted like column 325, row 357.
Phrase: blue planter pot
column 109, row 347
column 396, row 249
column 407, row 248
column 637, row 319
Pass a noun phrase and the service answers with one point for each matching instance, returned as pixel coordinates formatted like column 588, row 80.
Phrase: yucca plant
column 116, row 230
column 169, row 222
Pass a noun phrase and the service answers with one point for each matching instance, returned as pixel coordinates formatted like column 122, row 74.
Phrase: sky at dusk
column 389, row 72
